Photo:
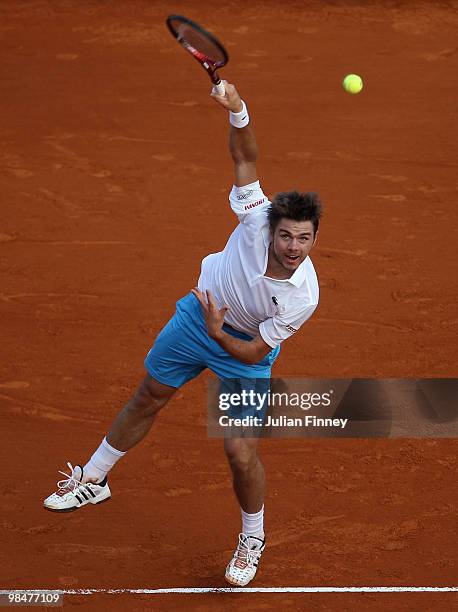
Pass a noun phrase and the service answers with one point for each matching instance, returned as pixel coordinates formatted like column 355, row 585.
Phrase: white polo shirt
column 257, row 304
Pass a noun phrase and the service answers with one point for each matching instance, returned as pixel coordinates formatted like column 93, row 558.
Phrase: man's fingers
column 213, row 305
column 210, row 299
column 215, row 93
column 221, row 100
column 226, row 101
column 199, row 296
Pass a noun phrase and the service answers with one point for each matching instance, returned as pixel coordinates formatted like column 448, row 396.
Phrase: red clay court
column 114, row 181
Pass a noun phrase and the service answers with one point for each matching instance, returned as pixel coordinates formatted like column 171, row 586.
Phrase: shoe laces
column 70, row 483
column 246, row 553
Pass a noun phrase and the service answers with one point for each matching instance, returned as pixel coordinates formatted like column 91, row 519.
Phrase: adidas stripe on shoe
column 72, row 493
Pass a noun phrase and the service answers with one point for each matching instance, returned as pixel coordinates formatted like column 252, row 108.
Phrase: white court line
column 360, row 589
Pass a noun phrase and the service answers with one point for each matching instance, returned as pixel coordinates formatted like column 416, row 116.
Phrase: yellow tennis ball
column 352, row 83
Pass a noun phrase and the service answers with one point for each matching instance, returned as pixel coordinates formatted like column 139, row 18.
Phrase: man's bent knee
column 151, row 396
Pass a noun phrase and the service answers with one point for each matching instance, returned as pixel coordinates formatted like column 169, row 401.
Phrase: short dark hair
column 296, row 206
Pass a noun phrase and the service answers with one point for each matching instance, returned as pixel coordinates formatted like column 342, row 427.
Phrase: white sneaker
column 242, row 569
column 72, row 493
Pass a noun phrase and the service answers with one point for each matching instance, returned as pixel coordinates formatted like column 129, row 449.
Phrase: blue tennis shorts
column 183, row 349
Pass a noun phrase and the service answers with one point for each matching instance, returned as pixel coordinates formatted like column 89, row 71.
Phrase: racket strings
column 198, row 42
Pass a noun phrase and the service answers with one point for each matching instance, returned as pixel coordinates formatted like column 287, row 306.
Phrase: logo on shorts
column 246, row 195
column 291, row 329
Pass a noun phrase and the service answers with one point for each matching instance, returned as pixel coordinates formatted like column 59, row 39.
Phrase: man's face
column 292, row 242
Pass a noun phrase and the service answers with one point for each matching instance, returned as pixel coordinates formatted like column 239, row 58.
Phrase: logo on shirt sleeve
column 254, row 204
column 245, row 195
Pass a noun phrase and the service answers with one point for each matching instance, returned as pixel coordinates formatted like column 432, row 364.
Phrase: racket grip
column 219, row 89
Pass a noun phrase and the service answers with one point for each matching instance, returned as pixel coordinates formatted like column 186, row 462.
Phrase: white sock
column 101, row 462
column 253, row 524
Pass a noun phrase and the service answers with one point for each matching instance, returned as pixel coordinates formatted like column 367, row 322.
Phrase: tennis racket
column 202, row 45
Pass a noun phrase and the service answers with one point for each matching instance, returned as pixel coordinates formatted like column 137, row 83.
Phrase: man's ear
column 316, row 237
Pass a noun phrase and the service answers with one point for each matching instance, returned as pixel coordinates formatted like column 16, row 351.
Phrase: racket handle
column 219, row 88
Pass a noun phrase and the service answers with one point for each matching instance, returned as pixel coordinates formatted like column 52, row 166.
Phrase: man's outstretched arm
column 242, row 142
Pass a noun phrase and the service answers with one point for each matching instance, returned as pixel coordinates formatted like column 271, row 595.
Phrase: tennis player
column 250, row 297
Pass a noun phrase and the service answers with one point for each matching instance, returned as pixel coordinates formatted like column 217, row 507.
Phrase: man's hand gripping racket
column 202, row 45
column 230, row 100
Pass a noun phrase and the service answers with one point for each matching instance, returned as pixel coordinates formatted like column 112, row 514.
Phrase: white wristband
column 241, row 119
